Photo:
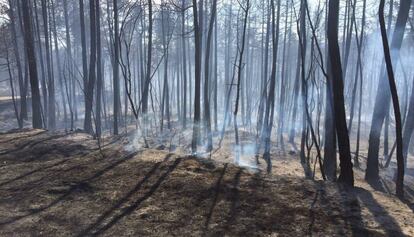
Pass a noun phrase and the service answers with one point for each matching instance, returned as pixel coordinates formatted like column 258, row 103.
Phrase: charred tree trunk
column 263, row 92
column 207, row 117
column 165, row 104
column 395, row 103
column 43, row 75
column 197, row 78
column 92, row 67
column 382, row 100
column 296, row 88
column 268, row 117
column 329, row 161
column 11, row 81
column 34, row 82
column 59, row 68
column 148, row 69
column 281, row 120
column 117, row 96
column 50, row 80
column 83, row 46
column 184, row 64
column 346, row 173
column 22, row 89
column 72, row 103
column 99, row 74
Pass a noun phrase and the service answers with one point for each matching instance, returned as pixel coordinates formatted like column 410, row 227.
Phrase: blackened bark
column 184, row 64
column 99, row 74
column 50, row 80
column 92, row 66
column 115, row 71
column 329, row 161
column 268, row 118
column 395, row 103
column 31, row 57
column 58, row 66
column 197, row 78
column 382, row 100
column 83, row 44
column 72, row 99
column 207, row 117
column 346, row 173
column 149, row 56
column 22, row 89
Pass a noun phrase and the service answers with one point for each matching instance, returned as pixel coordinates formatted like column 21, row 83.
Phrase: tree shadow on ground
column 382, row 217
column 33, row 172
column 81, row 185
column 379, row 185
column 111, row 218
column 32, row 143
column 235, row 201
column 312, row 212
column 386, row 186
column 223, row 197
column 216, row 191
column 352, row 215
column 16, row 138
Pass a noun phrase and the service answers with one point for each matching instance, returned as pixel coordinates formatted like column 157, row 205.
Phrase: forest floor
column 63, row 184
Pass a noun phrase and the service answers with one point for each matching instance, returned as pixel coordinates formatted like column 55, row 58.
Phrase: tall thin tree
column 395, row 103
column 346, row 173
column 31, row 57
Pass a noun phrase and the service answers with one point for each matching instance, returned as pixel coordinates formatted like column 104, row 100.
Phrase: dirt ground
column 63, row 184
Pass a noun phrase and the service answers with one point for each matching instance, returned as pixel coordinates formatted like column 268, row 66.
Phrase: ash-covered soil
column 63, row 184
